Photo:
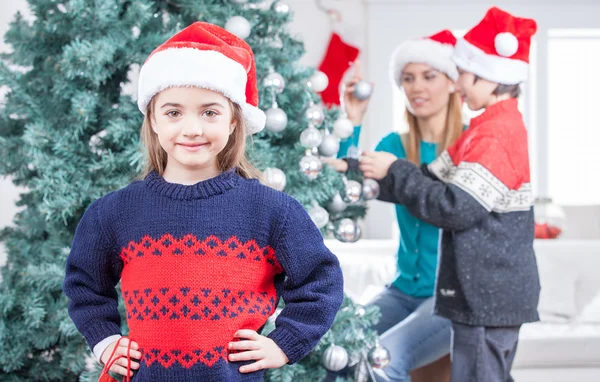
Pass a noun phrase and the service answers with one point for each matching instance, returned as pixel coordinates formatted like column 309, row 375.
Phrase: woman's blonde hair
column 233, row 155
column 454, row 127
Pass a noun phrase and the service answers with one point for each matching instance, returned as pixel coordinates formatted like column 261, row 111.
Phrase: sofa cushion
column 591, row 312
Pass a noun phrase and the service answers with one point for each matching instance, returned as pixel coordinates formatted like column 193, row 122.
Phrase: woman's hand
column 120, row 366
column 376, row 165
column 355, row 107
column 338, row 165
column 257, row 348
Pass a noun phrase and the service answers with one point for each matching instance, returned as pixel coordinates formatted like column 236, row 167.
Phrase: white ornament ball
column 274, row 80
column 281, row 8
column 315, row 115
column 239, row 26
column 506, row 44
column 319, row 81
column 343, row 127
column 311, row 138
column 362, row 90
column 353, row 192
column 276, row 119
column 379, row 357
column 337, row 204
column 311, row 166
column 319, row 216
column 330, row 145
column 335, row 358
column 370, row 189
column 275, row 178
column 346, row 230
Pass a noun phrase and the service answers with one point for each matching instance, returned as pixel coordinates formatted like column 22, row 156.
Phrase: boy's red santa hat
column 435, row 51
column 497, row 49
column 207, row 56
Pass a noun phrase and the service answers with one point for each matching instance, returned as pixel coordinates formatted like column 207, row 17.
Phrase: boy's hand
column 375, row 165
column 256, row 347
column 120, row 366
column 338, row 165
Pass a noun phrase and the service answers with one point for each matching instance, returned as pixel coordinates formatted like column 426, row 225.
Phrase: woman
column 424, row 71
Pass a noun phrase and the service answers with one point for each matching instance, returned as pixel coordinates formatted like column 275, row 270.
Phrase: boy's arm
column 313, row 288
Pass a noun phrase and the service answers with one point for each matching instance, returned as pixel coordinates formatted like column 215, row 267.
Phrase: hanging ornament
column 319, row 216
column 239, row 26
column 276, row 119
column 335, row 358
column 343, row 127
column 370, row 189
column 353, row 192
column 315, row 115
column 275, row 178
column 281, row 8
column 274, row 80
column 311, row 137
column 318, row 81
column 330, row 144
column 346, row 230
column 362, row 90
column 379, row 357
column 337, row 204
column 311, row 166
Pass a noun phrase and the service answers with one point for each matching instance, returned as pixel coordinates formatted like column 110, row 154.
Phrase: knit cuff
column 352, row 164
column 95, row 333
column 291, row 345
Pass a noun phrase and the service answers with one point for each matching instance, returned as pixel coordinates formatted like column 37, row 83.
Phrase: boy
column 478, row 191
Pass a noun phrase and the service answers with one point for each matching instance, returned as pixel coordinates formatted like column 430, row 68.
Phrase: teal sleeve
column 349, row 142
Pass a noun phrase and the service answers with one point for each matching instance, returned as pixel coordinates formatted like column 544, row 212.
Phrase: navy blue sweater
column 196, row 264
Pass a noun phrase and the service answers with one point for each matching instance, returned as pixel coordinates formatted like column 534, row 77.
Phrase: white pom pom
column 506, row 44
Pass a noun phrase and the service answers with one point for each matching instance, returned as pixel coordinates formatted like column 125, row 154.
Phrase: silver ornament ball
column 311, row 166
column 346, row 230
column 275, row 178
column 353, row 192
column 337, row 204
column 239, row 26
column 281, row 8
column 276, row 119
column 330, row 145
column 311, row 138
column 319, row 216
column 315, row 115
column 379, row 357
column 274, row 80
column 363, row 90
column 343, row 127
column 370, row 189
column 319, row 81
column 335, row 358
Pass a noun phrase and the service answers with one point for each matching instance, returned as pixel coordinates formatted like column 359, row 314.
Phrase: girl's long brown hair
column 454, row 127
column 233, row 155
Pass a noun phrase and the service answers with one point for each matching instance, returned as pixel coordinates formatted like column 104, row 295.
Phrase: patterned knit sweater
column 196, row 264
column 479, row 193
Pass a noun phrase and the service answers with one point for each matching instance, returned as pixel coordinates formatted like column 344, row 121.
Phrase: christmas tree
column 69, row 134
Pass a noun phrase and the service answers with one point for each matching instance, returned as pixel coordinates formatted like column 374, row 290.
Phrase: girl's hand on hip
column 257, row 348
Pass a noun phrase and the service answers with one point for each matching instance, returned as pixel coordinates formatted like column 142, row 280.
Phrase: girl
column 423, row 69
column 203, row 251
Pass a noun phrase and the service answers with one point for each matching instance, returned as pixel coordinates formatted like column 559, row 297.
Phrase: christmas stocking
column 340, row 53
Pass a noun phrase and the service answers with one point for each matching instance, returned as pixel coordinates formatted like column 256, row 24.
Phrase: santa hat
column 209, row 57
column 435, row 51
column 497, row 49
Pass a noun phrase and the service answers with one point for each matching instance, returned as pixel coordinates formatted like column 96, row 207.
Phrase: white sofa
column 563, row 347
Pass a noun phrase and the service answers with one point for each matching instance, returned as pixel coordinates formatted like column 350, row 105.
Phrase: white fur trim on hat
column 199, row 68
column 422, row 51
column 502, row 70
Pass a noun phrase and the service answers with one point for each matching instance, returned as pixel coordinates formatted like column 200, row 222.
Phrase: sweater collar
column 201, row 190
column 509, row 106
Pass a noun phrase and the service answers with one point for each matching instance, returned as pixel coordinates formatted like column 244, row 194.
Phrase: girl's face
column 193, row 126
column 476, row 94
column 427, row 90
